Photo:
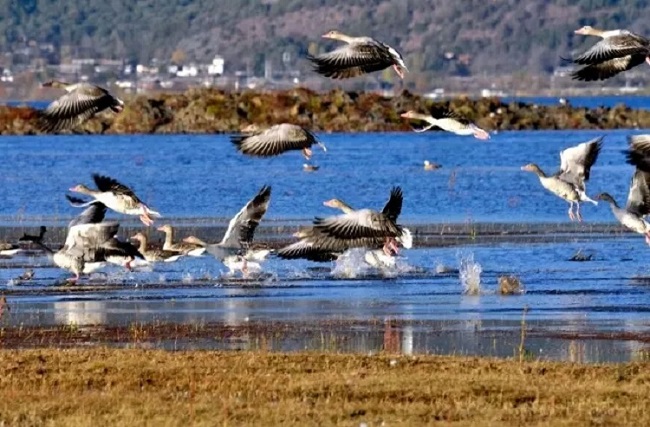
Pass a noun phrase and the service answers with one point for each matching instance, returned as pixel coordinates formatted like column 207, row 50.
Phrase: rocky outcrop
column 216, row 111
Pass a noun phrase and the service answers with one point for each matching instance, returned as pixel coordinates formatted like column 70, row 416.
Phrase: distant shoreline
column 210, row 111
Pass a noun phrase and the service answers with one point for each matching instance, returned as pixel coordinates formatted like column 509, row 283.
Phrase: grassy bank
column 134, row 387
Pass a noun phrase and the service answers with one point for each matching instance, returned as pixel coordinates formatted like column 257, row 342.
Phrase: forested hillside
column 439, row 37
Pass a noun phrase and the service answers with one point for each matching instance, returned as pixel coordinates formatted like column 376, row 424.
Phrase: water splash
column 470, row 274
column 351, row 264
column 359, row 262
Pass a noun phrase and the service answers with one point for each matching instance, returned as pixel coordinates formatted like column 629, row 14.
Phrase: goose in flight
column 235, row 250
column 118, row 197
column 632, row 216
column 359, row 55
column 276, row 140
column 449, row 122
column 328, row 238
column 618, row 51
column 569, row 182
column 81, row 102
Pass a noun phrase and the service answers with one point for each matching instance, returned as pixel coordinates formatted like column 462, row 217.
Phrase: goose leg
column 578, row 214
column 307, row 153
column 146, row 219
column 571, row 216
column 647, row 237
column 128, row 265
column 647, row 59
column 399, row 72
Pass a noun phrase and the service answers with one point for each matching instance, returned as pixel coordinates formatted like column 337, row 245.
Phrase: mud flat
column 152, row 387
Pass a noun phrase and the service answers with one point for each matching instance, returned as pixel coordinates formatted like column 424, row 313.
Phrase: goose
column 9, row 249
column 235, row 250
column 182, row 248
column 275, row 140
column 638, row 199
column 428, row 166
column 118, row 197
column 329, row 238
column 88, row 246
column 569, row 182
column 618, row 51
column 32, row 238
column 449, row 122
column 360, row 55
column 81, row 102
column 154, row 254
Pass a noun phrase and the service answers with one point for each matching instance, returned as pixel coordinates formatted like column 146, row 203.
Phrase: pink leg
column 647, row 59
column 307, row 153
column 128, row 265
column 571, row 216
column 399, row 71
column 578, row 214
column 647, row 237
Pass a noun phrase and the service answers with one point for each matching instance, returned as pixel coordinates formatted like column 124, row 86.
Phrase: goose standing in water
column 618, row 51
column 276, row 140
column 638, row 199
column 449, row 122
column 360, row 55
column 81, row 102
column 569, row 182
column 328, row 238
column 117, row 197
column 235, row 250
column 154, row 254
column 184, row 248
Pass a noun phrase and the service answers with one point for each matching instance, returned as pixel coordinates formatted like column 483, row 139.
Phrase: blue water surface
column 193, row 176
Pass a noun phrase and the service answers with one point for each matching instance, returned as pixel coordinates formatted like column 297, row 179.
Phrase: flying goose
column 638, row 199
column 569, row 182
column 275, row 140
column 154, row 254
column 183, row 248
column 618, row 51
column 118, row 197
column 360, row 55
column 81, row 102
column 449, row 122
column 327, row 239
column 235, row 250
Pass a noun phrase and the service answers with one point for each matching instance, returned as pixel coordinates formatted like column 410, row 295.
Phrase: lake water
column 201, row 179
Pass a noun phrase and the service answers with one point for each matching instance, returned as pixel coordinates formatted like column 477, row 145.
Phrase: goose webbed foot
column 572, row 216
column 307, row 153
column 146, row 219
column 399, row 71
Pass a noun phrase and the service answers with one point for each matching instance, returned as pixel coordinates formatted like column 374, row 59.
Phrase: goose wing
column 242, row 226
column 638, row 199
column 607, row 69
column 274, row 140
column 614, row 47
column 576, row 162
column 363, row 223
column 93, row 214
column 83, row 238
column 108, row 184
column 354, row 59
column 393, row 207
column 75, row 107
column 638, row 153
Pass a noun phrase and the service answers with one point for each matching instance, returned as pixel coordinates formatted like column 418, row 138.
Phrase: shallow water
column 201, row 178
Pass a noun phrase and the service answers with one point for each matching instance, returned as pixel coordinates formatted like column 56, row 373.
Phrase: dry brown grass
column 151, row 387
